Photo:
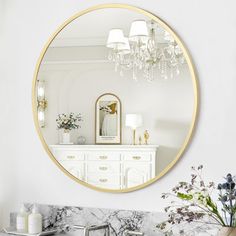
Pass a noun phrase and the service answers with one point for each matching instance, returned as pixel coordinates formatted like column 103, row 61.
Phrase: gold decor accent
column 136, row 157
column 42, row 104
column 146, row 137
column 103, row 157
column 134, row 137
column 140, row 140
column 103, row 168
column 103, row 180
column 194, row 82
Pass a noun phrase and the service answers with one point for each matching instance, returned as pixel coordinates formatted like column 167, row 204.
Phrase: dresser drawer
column 68, row 155
column 76, row 168
column 104, row 156
column 103, row 167
column 105, row 180
column 138, row 156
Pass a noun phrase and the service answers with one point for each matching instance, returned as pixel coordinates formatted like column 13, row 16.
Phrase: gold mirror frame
column 193, row 77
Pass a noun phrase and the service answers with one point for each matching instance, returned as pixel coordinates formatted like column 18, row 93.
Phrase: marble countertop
column 81, row 233
column 3, row 234
column 74, row 233
column 64, row 217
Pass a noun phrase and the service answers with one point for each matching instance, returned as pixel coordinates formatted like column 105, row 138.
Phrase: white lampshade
column 138, row 29
column 115, row 38
column 41, row 116
column 124, row 48
column 41, row 90
column 133, row 120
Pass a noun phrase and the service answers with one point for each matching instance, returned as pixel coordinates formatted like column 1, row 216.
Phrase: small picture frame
column 108, row 119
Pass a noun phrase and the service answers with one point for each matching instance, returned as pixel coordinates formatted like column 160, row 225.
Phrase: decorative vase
column 227, row 231
column 81, row 140
column 66, row 137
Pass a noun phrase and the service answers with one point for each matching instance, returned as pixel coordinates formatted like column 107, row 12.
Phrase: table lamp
column 133, row 121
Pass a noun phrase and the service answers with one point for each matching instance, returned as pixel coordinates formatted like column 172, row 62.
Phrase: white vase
column 66, row 137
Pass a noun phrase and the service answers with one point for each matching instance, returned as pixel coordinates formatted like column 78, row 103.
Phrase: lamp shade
column 115, row 38
column 124, row 48
column 138, row 28
column 133, row 120
column 41, row 116
column 41, row 90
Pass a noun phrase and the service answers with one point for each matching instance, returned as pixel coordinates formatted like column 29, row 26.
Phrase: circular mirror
column 115, row 98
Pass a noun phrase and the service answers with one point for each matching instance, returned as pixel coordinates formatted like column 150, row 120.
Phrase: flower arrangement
column 227, row 196
column 193, row 202
column 68, row 121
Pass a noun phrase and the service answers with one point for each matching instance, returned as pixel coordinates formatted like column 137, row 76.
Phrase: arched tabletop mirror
column 115, row 98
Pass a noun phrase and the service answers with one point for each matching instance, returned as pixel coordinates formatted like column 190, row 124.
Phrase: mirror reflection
column 108, row 118
column 115, row 98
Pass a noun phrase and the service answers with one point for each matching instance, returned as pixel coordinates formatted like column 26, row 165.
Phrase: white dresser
column 109, row 166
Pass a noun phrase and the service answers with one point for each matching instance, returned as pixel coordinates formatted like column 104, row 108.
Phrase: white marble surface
column 64, row 217
column 75, row 233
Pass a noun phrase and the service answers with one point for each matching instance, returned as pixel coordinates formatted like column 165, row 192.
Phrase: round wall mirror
column 115, row 98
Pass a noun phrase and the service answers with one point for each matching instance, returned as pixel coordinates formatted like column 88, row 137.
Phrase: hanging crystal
column 142, row 54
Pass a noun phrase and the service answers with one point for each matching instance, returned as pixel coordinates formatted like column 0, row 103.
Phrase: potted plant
column 193, row 202
column 68, row 122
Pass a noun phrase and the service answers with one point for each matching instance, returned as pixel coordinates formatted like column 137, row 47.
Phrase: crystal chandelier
column 142, row 54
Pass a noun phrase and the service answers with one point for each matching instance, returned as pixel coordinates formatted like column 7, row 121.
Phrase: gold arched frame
column 193, row 77
column 120, row 117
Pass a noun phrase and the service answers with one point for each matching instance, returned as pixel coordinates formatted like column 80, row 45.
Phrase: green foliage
column 184, row 196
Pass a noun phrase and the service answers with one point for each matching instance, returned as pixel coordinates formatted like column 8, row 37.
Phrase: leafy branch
column 192, row 202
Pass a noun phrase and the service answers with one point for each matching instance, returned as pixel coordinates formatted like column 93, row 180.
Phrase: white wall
column 27, row 174
column 166, row 105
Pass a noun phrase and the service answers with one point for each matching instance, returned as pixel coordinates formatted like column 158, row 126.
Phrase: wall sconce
column 42, row 102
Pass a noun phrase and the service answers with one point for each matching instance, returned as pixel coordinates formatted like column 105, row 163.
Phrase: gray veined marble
column 64, row 218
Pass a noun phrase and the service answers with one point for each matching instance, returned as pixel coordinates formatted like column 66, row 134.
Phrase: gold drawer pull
column 103, row 168
column 136, row 157
column 70, row 157
column 103, row 157
column 103, row 180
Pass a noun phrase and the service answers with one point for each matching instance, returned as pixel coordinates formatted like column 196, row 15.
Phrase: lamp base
column 134, row 137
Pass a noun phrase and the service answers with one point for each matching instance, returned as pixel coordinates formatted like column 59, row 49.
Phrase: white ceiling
column 93, row 28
